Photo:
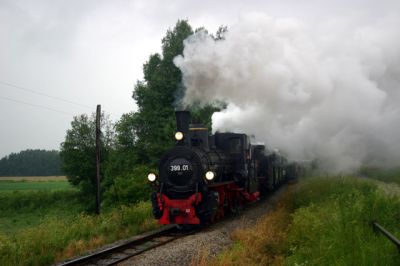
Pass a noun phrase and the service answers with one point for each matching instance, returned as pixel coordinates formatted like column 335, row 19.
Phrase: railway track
column 129, row 248
column 117, row 253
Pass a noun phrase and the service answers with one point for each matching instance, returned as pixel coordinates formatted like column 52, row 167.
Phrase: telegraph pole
column 98, row 133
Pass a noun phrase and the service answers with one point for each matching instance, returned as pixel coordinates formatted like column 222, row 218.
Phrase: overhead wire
column 44, row 94
column 35, row 105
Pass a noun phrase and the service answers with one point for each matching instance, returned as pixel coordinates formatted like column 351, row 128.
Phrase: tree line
column 31, row 163
column 132, row 146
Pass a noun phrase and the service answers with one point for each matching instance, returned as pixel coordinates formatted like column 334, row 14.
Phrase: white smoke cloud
column 327, row 91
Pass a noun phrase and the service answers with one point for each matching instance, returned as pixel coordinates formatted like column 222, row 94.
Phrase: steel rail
column 127, row 249
column 386, row 233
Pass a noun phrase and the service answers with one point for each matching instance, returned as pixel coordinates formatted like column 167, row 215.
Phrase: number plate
column 177, row 167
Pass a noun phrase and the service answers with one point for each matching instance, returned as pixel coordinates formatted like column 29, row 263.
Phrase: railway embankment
column 320, row 221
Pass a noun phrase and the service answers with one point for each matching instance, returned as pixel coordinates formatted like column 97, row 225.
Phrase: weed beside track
column 56, row 239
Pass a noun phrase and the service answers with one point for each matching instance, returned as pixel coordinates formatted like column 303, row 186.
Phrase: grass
column 262, row 244
column 34, row 178
column 332, row 224
column 11, row 185
column 320, row 221
column 26, row 203
column 24, row 209
column 389, row 175
column 56, row 239
column 42, row 222
column 34, row 183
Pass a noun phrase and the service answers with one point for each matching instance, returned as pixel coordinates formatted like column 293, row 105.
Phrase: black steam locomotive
column 204, row 175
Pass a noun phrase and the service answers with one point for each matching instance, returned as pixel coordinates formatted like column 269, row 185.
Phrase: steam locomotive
column 204, row 176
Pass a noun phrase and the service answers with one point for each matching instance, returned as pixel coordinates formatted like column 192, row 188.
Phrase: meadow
column 44, row 221
column 11, row 185
column 320, row 221
column 33, row 178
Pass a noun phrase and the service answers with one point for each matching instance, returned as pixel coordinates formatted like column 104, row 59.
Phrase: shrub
column 129, row 188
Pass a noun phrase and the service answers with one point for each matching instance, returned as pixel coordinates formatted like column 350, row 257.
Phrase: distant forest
column 31, row 163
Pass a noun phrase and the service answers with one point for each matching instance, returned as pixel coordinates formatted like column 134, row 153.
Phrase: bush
column 129, row 188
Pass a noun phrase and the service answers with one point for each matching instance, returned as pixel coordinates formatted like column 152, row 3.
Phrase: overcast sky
column 92, row 52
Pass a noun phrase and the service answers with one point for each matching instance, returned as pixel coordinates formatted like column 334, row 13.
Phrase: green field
column 44, row 220
column 9, row 185
column 34, row 178
column 60, row 235
column 26, row 203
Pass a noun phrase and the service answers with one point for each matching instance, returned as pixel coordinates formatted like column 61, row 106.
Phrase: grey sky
column 92, row 52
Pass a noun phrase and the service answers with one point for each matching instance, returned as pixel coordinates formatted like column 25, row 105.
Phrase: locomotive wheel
column 208, row 208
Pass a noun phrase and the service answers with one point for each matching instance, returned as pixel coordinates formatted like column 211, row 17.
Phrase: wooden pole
column 98, row 132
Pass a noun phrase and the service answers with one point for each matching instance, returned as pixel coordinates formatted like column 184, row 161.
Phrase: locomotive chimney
column 182, row 123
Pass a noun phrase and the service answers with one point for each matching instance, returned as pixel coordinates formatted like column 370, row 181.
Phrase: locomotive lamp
column 152, row 177
column 178, row 135
column 210, row 175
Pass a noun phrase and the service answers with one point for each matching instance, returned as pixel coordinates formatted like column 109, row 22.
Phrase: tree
column 78, row 152
column 154, row 123
column 150, row 130
column 143, row 136
column 220, row 34
column 31, row 163
column 123, row 156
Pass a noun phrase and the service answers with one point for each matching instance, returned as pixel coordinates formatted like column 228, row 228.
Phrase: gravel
column 213, row 239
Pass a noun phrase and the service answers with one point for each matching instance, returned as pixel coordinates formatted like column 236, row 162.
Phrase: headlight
column 151, row 177
column 178, row 135
column 210, row 175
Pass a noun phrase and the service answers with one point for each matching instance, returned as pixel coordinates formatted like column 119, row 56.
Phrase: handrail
column 386, row 233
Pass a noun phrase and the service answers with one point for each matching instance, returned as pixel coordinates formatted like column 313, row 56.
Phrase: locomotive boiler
column 204, row 175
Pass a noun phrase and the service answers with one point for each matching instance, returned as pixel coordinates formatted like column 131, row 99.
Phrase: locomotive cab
column 236, row 145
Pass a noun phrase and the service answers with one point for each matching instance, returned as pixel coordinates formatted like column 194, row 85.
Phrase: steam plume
column 326, row 91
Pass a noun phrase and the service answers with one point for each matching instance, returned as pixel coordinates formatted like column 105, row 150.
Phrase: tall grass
column 262, row 244
column 332, row 224
column 21, row 209
column 40, row 227
column 321, row 221
column 56, row 239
